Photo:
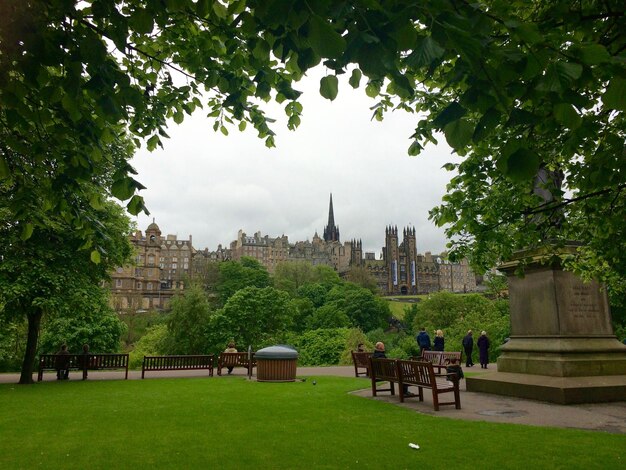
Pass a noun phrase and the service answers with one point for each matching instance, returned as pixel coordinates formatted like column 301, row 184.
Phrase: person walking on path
column 483, row 349
column 63, row 363
column 423, row 341
column 468, row 346
column 438, row 343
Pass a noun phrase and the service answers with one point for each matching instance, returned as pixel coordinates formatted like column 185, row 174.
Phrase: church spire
column 331, row 232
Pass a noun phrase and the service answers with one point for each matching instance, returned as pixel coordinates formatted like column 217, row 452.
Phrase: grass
column 397, row 304
column 236, row 424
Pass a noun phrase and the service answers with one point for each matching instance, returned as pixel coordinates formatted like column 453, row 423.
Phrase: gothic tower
column 331, row 232
column 356, row 253
column 391, row 258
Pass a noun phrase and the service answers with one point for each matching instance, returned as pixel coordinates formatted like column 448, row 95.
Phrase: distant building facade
column 164, row 264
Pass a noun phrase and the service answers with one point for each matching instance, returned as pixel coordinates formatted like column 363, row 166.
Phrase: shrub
column 151, row 344
column 321, row 347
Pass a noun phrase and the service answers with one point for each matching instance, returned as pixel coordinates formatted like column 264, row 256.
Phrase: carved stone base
column 561, row 390
column 562, row 347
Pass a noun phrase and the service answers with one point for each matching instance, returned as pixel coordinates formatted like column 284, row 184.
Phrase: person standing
column 84, row 360
column 468, row 347
column 423, row 341
column 230, row 349
column 63, row 363
column 483, row 349
column 438, row 343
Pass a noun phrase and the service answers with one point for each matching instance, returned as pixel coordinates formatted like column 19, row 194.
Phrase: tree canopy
column 514, row 86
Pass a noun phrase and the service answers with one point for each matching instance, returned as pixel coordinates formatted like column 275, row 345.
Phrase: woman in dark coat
column 483, row 348
column 439, row 342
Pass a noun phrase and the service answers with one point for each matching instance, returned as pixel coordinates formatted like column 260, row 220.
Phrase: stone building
column 160, row 268
column 455, row 277
column 164, row 264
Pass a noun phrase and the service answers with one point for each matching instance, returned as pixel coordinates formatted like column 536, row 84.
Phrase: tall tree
column 253, row 315
column 188, row 321
column 48, row 271
column 515, row 87
column 235, row 275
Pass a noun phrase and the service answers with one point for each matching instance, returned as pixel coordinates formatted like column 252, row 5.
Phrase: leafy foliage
column 91, row 321
column 455, row 314
column 235, row 275
column 250, row 316
column 513, row 86
column 153, row 343
column 187, row 323
column 321, row 347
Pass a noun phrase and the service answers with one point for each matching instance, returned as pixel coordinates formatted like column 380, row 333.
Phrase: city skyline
column 210, row 186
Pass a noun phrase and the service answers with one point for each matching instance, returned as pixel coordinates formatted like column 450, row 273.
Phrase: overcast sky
column 209, row 186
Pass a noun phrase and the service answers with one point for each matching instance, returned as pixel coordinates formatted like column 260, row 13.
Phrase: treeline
column 309, row 307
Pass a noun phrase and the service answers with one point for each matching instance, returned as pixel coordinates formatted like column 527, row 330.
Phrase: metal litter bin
column 276, row 364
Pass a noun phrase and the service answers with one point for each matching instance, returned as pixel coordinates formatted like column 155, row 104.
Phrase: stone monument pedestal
column 562, row 348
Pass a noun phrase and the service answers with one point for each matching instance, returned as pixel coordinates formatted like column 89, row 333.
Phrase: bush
column 323, row 347
column 151, row 344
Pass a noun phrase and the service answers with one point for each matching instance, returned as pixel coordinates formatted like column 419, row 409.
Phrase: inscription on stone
column 583, row 302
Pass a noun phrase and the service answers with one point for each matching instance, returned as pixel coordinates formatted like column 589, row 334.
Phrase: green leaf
column 329, row 87
column 569, row 71
column 324, row 40
column 594, row 54
column 242, row 126
column 566, row 115
column 427, row 51
column 355, row 78
column 179, row 117
column 27, row 231
column 95, row 201
column 136, row 205
column 123, row 188
column 153, row 142
column 405, row 36
column 459, row 133
column 522, row 165
column 615, row 95
column 528, row 32
column 4, row 168
column 452, row 112
column 415, row 148
column 141, row 21
column 95, row 257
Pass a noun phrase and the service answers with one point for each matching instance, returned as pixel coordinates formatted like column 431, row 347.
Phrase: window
column 139, row 285
column 174, row 265
column 149, row 286
column 118, row 283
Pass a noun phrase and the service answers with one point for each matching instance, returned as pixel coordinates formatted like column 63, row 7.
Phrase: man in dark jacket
column 63, row 363
column 423, row 340
column 468, row 346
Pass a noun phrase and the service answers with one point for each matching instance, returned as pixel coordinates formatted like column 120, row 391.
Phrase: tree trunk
column 34, row 320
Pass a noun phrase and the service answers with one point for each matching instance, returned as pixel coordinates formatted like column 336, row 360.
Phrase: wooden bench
column 361, row 360
column 383, row 370
column 77, row 362
column 190, row 362
column 440, row 359
column 238, row 359
column 421, row 374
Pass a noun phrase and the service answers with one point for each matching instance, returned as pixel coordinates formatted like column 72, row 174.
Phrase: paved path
column 605, row 417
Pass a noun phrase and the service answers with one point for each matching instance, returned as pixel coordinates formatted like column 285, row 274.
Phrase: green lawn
column 232, row 423
column 397, row 306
